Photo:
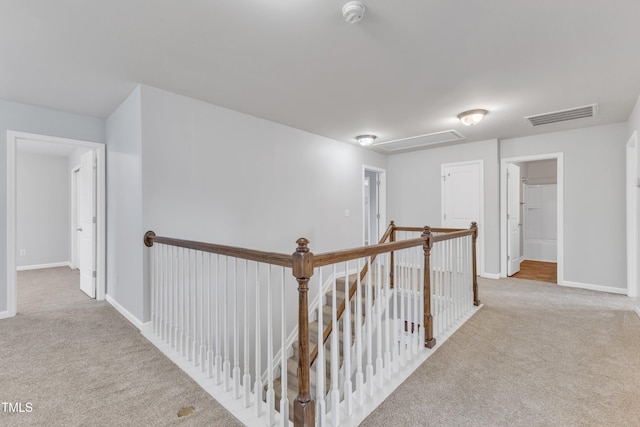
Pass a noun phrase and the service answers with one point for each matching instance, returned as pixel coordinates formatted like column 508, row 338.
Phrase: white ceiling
column 407, row 69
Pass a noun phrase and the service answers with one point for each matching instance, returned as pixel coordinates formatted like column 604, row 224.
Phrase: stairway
column 292, row 362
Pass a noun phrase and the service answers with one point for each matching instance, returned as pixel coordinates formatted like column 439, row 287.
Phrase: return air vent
column 420, row 140
column 563, row 115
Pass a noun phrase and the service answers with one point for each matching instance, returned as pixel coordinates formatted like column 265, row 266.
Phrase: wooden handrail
column 451, row 235
column 282, row 260
column 329, row 258
column 433, row 229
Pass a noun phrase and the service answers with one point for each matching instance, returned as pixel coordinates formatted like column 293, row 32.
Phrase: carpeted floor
column 80, row 363
column 536, row 355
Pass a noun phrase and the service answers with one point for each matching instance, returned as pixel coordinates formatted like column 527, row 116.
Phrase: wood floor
column 538, row 270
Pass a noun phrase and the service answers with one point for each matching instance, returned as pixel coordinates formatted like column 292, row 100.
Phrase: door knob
column 79, row 229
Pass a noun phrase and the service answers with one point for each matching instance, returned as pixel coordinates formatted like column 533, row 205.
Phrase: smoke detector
column 353, row 11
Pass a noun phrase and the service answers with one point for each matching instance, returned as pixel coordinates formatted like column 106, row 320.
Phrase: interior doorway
column 97, row 249
column 373, row 204
column 531, row 219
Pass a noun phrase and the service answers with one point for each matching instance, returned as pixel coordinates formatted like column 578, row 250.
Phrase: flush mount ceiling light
column 365, row 140
column 353, row 11
column 472, row 117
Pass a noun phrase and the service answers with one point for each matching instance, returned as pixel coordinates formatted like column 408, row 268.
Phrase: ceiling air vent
column 563, row 115
column 420, row 140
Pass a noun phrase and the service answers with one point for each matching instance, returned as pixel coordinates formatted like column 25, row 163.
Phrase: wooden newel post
column 304, row 408
column 474, row 227
column 392, row 238
column 429, row 340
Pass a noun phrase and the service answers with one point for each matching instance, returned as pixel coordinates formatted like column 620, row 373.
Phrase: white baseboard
column 4, row 315
column 127, row 315
column 41, row 266
column 494, row 276
column 590, row 287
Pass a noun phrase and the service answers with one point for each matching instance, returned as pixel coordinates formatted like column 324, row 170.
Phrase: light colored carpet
column 80, row 363
column 536, row 354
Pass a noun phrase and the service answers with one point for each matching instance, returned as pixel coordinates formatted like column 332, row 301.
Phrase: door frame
column 633, row 181
column 74, row 212
column 559, row 157
column 481, row 228
column 13, row 138
column 382, row 200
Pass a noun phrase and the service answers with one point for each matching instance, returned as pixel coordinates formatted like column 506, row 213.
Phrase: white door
column 86, row 225
column 462, row 200
column 513, row 219
column 461, row 189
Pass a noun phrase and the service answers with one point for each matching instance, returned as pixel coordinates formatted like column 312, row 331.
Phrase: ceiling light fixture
column 365, row 140
column 472, row 117
column 353, row 11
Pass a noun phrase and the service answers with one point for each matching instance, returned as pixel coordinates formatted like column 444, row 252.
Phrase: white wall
column 212, row 174
column 124, row 206
column 594, row 199
column 414, row 187
column 26, row 118
column 43, row 209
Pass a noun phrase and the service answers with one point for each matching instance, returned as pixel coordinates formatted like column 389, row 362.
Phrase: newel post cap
column 302, row 267
column 427, row 233
column 148, row 238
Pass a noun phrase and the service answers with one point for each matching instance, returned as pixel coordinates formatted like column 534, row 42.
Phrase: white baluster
column 201, row 317
column 258, row 387
column 396, row 319
column 246, row 379
column 422, row 296
column 369, row 327
column 218, row 311
column 167, row 295
column 387, row 344
column 270, row 392
column 359, row 338
column 195, row 279
column 161, row 296
column 415, row 335
column 190, row 310
column 154, row 288
column 176, row 300
column 210, row 316
column 236, row 336
column 284, row 401
column 226, row 365
column 170, row 321
column 348, row 389
column 403, row 292
column 183, row 291
column 378, row 314
column 321, row 408
column 335, row 353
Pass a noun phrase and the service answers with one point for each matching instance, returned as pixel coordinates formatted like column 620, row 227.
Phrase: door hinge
column 445, row 216
column 94, row 274
column 508, row 257
column 378, row 216
column 95, row 220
